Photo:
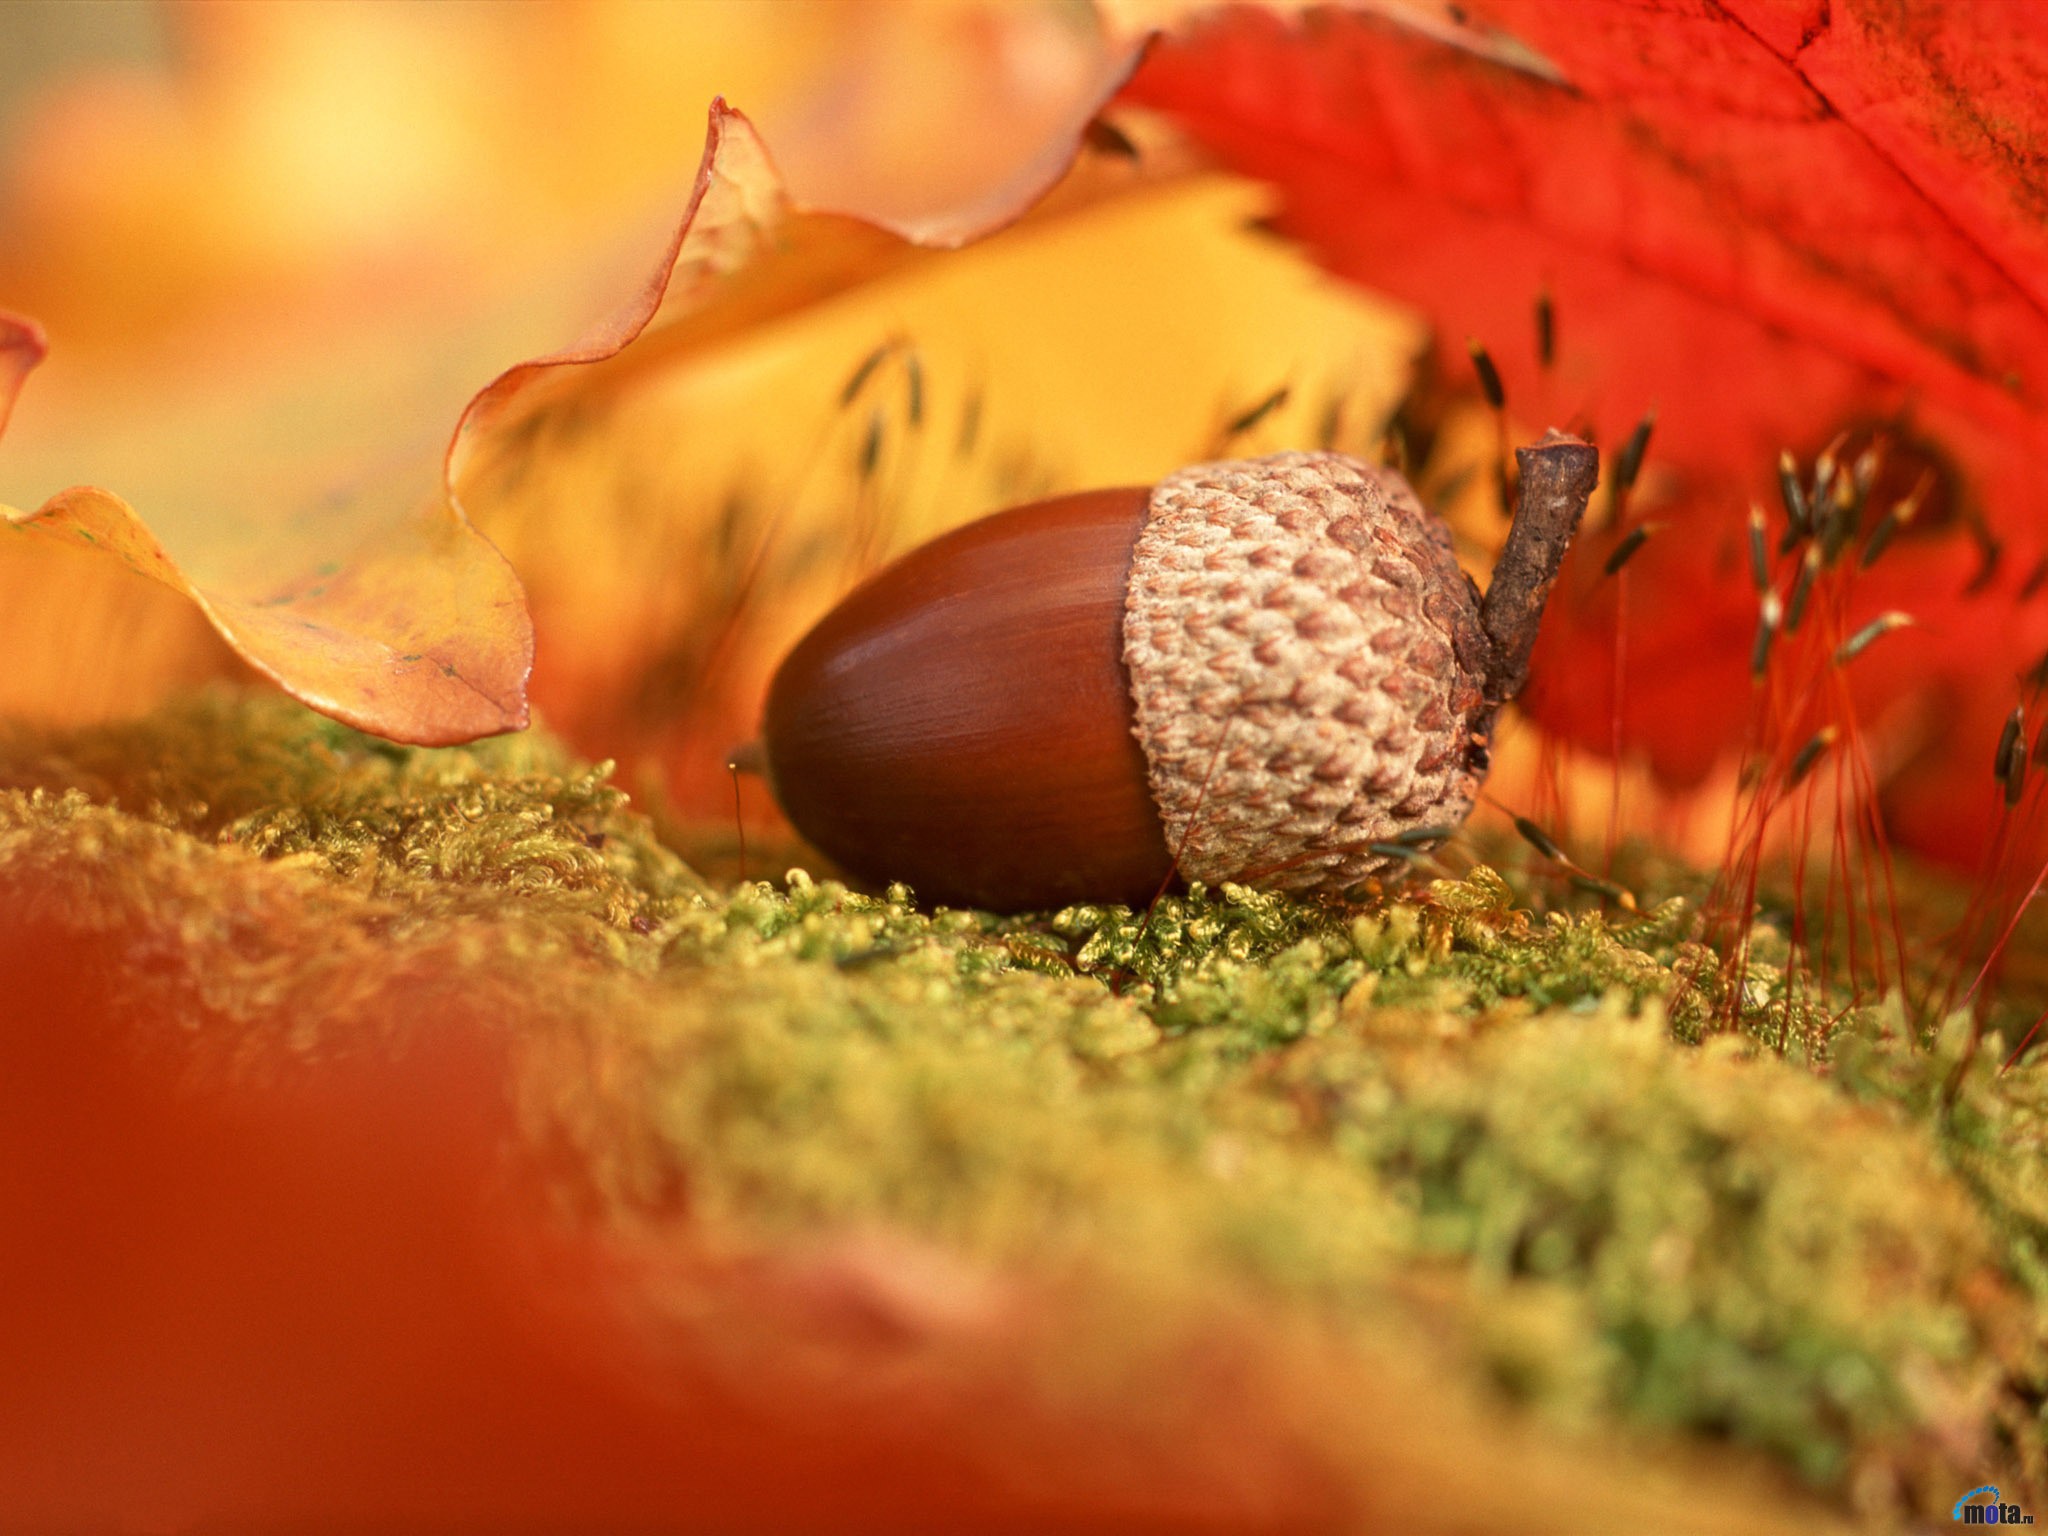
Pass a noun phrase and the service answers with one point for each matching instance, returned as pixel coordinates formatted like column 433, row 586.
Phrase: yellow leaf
column 816, row 392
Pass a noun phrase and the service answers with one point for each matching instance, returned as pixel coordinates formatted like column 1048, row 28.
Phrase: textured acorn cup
column 1254, row 671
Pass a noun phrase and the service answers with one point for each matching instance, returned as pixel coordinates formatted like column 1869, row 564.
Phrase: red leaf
column 1767, row 221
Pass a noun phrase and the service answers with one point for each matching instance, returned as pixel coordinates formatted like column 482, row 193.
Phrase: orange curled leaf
column 420, row 634
column 370, row 595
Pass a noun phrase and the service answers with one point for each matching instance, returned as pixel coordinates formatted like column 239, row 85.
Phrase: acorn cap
column 1307, row 669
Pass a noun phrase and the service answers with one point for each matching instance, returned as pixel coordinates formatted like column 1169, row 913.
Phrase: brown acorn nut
column 1252, row 671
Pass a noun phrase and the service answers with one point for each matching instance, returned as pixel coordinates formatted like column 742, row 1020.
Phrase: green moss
column 1448, row 1113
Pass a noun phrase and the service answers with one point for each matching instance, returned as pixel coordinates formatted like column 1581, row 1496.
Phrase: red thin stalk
column 1614, row 739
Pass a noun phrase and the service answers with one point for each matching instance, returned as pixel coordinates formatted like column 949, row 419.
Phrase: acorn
column 1253, row 671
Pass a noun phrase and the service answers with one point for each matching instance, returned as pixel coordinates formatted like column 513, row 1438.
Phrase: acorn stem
column 1557, row 480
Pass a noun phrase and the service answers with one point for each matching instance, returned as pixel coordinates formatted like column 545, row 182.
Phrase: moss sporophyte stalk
column 1524, row 1133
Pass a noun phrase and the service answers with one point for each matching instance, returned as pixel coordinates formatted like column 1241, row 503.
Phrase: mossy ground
column 1520, row 1133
